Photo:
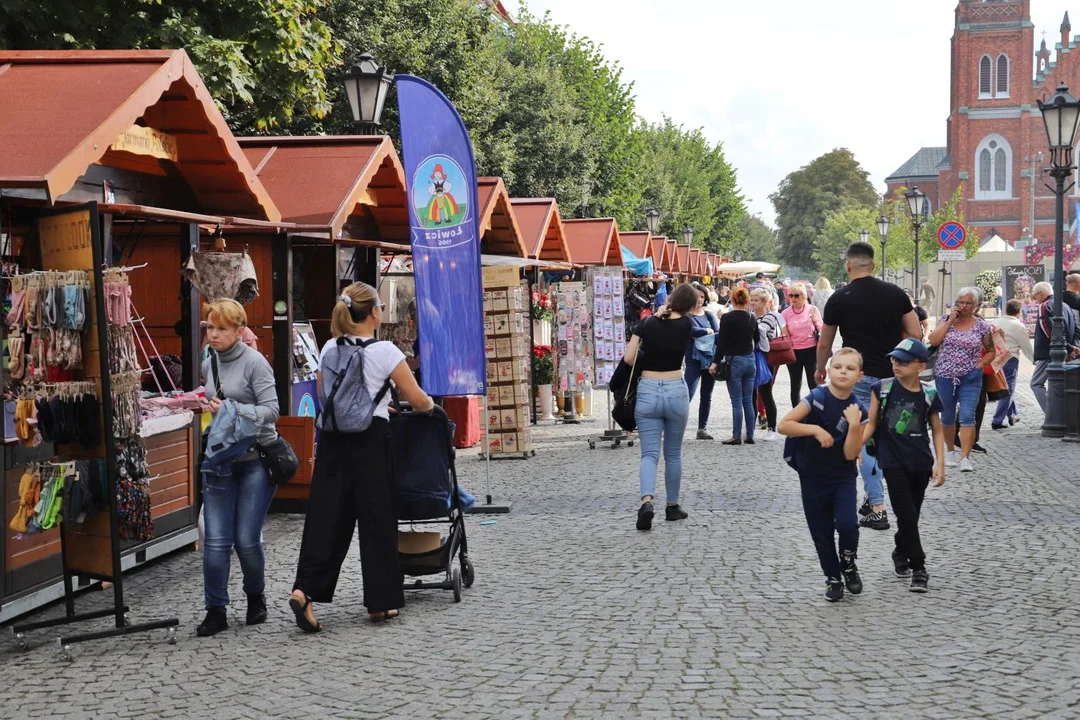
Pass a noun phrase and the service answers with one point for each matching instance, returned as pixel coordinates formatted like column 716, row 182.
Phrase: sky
column 780, row 82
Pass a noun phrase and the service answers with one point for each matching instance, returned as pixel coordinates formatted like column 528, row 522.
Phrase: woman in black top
column 663, row 403
column 735, row 342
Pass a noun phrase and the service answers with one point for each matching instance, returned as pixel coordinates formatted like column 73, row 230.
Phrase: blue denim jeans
column 1007, row 408
column 965, row 393
column 868, row 466
column 694, row 374
column 234, row 508
column 740, row 387
column 662, row 409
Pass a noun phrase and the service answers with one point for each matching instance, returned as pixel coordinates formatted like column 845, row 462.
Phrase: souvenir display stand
column 508, row 347
column 610, row 338
column 573, row 363
column 91, row 541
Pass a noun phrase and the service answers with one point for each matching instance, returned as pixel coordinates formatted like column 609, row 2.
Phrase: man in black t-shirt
column 873, row 316
column 1072, row 291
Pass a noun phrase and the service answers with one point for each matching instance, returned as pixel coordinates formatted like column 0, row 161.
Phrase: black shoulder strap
column 217, row 377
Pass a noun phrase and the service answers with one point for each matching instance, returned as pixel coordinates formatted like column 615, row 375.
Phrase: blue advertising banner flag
column 440, row 179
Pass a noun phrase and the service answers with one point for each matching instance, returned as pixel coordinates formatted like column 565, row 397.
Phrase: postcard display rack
column 609, row 331
column 91, row 549
column 573, row 356
column 508, row 348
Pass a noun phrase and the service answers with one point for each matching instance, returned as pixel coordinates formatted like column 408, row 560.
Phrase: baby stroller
column 428, row 495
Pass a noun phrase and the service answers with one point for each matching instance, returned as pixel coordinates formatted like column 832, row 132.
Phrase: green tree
column 841, row 228
column 755, row 240
column 263, row 60
column 901, row 244
column 807, row 196
column 690, row 182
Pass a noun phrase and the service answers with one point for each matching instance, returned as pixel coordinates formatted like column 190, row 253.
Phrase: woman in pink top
column 804, row 326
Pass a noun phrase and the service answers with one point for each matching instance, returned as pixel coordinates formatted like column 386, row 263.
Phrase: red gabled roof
column 637, row 242
column 695, row 262
column 658, row 247
column 499, row 230
column 681, row 253
column 64, row 109
column 594, row 241
column 325, row 180
column 542, row 228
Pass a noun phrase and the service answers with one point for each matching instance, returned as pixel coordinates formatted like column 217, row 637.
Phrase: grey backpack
column 348, row 406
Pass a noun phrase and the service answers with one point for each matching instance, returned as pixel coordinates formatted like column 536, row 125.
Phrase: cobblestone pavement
column 576, row 614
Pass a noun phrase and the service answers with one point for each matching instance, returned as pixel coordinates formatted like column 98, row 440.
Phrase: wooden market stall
column 661, row 259
column 122, row 156
column 346, row 200
column 695, row 264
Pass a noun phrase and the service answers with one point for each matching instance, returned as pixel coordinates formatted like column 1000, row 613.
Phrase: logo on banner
column 306, row 407
column 442, row 207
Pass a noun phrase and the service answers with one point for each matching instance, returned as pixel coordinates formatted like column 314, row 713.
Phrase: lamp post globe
column 1061, row 115
column 864, row 235
column 738, row 256
column 917, row 206
column 652, row 220
column 883, row 235
column 367, row 85
column 688, row 235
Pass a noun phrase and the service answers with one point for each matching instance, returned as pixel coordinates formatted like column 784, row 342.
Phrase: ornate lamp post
column 883, row 235
column 917, row 205
column 652, row 220
column 1060, row 116
column 864, row 235
column 366, row 86
column 688, row 235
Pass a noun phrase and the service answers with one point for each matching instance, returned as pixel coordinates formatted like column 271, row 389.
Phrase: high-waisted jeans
column 741, row 389
column 964, row 393
column 234, row 508
column 661, row 412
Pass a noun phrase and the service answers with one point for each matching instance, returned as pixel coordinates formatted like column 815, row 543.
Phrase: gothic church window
column 1002, row 76
column 986, row 85
column 993, row 168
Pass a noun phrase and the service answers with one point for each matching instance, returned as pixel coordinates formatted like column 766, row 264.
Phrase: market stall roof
column 682, row 259
column 658, row 245
column 746, row 267
column 342, row 184
column 542, row 228
column 594, row 241
column 499, row 230
column 67, row 111
column 637, row 242
column 710, row 263
column 696, row 266
column 669, row 252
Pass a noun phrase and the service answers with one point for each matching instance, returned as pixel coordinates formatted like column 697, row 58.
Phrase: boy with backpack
column 903, row 413
column 825, row 438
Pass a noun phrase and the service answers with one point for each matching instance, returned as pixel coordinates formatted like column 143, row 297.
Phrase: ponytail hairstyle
column 355, row 305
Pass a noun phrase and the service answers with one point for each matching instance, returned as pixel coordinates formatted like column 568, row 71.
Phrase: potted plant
column 542, row 315
column 543, row 368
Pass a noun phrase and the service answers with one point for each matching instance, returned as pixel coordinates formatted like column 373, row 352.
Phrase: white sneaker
column 768, row 435
column 952, row 458
column 965, row 465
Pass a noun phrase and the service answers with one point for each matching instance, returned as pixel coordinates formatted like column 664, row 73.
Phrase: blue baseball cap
column 910, row 349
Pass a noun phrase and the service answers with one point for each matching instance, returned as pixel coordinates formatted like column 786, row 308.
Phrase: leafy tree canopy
column 807, row 196
column 263, row 59
column 755, row 240
column 842, row 228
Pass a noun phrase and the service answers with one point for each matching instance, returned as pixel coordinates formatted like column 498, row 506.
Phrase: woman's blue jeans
column 741, row 389
column 233, row 512
column 965, row 393
column 694, row 374
column 661, row 412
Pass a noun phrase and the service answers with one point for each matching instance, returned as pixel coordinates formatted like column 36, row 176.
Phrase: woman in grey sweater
column 235, row 502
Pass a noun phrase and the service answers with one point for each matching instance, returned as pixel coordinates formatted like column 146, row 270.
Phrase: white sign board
column 951, row 255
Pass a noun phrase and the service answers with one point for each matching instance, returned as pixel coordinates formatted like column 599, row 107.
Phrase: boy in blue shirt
column 830, row 419
column 903, row 413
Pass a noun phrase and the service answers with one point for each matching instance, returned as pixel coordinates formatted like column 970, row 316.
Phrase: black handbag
column 279, row 460
column 625, row 398
column 723, row 368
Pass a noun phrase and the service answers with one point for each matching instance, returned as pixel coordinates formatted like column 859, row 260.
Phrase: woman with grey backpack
column 352, row 483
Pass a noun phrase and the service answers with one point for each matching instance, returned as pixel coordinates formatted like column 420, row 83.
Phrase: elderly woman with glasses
column 804, row 327
column 965, row 346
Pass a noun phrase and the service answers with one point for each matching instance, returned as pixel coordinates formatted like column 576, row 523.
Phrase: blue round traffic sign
column 951, row 235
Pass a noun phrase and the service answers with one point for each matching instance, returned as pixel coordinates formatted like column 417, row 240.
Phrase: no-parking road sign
column 951, row 235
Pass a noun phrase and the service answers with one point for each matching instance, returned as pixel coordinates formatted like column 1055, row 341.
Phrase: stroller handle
column 437, row 410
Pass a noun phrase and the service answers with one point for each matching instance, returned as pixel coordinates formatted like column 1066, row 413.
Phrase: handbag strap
column 217, row 377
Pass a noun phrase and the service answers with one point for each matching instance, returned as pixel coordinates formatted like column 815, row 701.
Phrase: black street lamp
column 883, row 234
column 366, row 86
column 652, row 220
column 1061, row 116
column 864, row 235
column 917, row 205
column 738, row 256
column 688, row 235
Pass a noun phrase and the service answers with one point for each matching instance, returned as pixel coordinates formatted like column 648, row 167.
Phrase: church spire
column 1066, row 28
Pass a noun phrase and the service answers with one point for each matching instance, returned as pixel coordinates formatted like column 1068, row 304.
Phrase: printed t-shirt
column 380, row 359
column 961, row 350
column 903, row 435
column 829, row 464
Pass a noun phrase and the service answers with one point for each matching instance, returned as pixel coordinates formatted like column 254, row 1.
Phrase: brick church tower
column 994, row 131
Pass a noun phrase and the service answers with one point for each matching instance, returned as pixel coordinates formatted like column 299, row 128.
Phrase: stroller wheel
column 468, row 575
column 456, row 579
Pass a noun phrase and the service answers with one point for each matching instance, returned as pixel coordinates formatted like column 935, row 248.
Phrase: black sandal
column 300, row 610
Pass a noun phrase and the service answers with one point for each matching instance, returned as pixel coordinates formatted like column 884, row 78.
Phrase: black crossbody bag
column 277, row 456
